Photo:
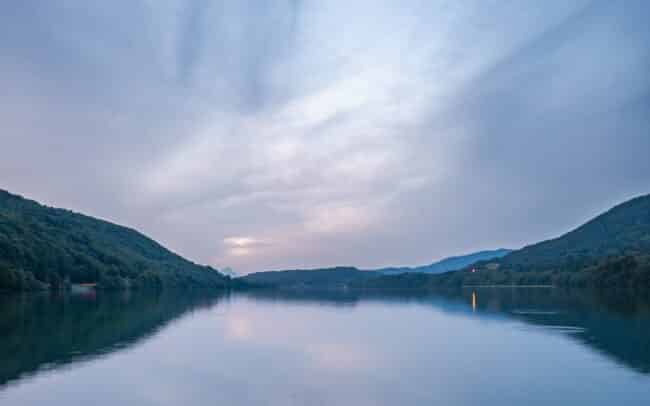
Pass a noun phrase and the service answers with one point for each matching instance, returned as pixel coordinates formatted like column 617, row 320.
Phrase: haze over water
column 485, row 346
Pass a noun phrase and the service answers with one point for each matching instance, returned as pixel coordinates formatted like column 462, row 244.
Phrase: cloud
column 294, row 134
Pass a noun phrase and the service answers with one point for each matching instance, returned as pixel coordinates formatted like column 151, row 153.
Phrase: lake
column 487, row 346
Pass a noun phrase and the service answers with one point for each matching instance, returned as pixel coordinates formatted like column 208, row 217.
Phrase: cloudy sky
column 273, row 134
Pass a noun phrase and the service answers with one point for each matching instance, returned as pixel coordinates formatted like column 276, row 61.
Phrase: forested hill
column 42, row 247
column 309, row 278
column 610, row 251
column 622, row 231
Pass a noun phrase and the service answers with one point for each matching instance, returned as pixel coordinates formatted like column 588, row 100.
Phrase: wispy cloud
column 293, row 134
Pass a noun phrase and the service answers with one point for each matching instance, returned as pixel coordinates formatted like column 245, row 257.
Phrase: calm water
column 487, row 347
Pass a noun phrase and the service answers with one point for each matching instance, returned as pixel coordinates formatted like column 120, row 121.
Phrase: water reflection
column 295, row 347
column 474, row 301
column 41, row 332
column 616, row 324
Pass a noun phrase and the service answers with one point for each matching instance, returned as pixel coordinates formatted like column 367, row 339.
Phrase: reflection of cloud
column 238, row 328
column 339, row 356
column 303, row 332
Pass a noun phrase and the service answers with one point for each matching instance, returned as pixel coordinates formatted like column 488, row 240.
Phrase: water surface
column 483, row 346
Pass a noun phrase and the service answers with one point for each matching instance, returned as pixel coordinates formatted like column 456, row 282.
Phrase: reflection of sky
column 250, row 352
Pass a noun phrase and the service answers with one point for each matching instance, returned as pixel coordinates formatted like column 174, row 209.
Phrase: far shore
column 508, row 286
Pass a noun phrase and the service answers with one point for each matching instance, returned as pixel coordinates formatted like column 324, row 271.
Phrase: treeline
column 626, row 272
column 17, row 279
column 308, row 278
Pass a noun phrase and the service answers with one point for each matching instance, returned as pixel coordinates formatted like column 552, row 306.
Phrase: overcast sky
column 281, row 134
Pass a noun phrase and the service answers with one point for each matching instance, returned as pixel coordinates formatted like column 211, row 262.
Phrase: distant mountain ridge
column 309, row 278
column 43, row 247
column 345, row 275
column 449, row 264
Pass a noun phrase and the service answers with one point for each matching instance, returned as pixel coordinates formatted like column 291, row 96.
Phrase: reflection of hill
column 43, row 332
column 616, row 325
column 333, row 297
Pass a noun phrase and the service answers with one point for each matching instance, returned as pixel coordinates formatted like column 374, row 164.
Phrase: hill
column 309, row 278
column 344, row 276
column 43, row 247
column 449, row 264
column 610, row 251
column 622, row 231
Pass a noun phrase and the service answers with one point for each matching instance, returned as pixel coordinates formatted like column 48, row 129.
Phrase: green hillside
column 610, row 251
column 621, row 231
column 43, row 247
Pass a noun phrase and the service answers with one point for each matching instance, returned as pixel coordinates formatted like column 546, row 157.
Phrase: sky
column 278, row 134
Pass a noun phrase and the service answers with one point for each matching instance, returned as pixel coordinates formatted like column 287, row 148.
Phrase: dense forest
column 43, row 247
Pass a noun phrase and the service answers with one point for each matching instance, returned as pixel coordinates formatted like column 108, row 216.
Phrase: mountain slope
column 451, row 263
column 623, row 230
column 41, row 246
column 610, row 251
